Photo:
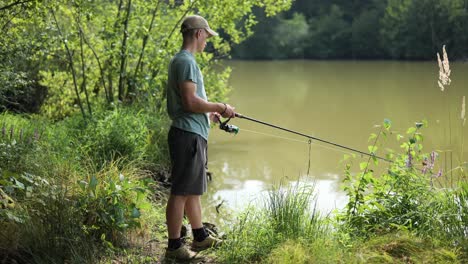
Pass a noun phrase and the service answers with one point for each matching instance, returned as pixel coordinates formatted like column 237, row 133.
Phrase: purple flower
column 438, row 174
column 409, row 160
column 433, row 158
column 425, row 166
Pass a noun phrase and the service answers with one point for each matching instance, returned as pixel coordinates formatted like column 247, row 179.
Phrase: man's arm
column 192, row 103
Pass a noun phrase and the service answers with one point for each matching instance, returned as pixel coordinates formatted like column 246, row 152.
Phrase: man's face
column 202, row 35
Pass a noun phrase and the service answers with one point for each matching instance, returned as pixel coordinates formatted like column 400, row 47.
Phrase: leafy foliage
column 391, row 29
column 405, row 197
column 93, row 53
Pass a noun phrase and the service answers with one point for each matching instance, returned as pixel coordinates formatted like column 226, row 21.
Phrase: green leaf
column 145, row 206
column 82, row 185
column 136, row 213
column 372, row 149
column 363, row 165
column 399, row 137
column 411, row 130
column 93, row 183
column 418, row 137
column 372, row 136
column 19, row 184
column 112, row 185
column 387, row 123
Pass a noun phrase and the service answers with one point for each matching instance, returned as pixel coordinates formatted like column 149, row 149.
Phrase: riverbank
column 72, row 192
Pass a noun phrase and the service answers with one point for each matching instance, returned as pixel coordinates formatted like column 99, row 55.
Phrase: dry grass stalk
column 463, row 111
column 444, row 70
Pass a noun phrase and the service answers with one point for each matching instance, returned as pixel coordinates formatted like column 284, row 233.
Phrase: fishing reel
column 228, row 127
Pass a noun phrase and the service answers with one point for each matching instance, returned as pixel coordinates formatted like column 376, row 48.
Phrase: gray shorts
column 188, row 153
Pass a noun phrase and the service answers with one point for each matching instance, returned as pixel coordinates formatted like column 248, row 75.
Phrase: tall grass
column 289, row 210
column 286, row 218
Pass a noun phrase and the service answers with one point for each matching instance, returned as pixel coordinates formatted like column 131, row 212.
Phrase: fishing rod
column 234, row 129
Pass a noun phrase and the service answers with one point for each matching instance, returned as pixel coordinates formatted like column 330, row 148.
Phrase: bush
column 111, row 201
column 123, row 134
column 400, row 198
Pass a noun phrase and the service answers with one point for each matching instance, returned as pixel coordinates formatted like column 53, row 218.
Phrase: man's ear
column 198, row 34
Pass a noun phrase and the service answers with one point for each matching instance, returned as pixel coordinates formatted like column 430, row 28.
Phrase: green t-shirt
column 183, row 67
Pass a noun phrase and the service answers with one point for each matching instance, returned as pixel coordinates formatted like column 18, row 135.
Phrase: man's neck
column 190, row 47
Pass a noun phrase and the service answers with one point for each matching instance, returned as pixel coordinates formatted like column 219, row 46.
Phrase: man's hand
column 215, row 117
column 229, row 112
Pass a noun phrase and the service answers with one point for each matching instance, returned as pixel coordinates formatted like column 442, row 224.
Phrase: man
column 190, row 112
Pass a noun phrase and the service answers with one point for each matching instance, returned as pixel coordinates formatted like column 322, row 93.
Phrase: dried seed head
column 444, row 70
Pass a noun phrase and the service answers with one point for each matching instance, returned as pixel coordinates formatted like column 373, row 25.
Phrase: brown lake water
column 338, row 101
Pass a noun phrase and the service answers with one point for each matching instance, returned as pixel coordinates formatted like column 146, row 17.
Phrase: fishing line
column 234, row 129
column 309, row 142
column 230, row 128
column 300, row 141
column 271, row 135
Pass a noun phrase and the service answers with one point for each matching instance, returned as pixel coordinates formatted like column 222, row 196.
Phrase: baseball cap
column 196, row 22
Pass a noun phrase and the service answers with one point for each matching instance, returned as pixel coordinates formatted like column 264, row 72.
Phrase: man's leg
column 175, row 214
column 193, row 211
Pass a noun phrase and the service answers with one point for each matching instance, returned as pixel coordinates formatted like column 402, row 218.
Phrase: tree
column 97, row 52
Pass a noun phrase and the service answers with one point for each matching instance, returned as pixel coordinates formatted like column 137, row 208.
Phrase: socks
column 174, row 244
column 199, row 234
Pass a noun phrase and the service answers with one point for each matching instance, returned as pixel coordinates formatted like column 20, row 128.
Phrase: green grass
column 403, row 248
column 79, row 192
column 286, row 230
column 85, row 194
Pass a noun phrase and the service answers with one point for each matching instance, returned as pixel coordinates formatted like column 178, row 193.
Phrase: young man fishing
column 190, row 112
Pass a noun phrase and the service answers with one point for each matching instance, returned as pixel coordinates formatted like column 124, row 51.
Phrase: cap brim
column 211, row 32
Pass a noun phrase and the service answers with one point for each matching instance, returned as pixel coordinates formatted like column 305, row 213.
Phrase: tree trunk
column 123, row 54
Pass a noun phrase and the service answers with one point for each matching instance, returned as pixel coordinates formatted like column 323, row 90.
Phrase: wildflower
column 438, row 174
column 444, row 70
column 409, row 160
column 425, row 166
column 429, row 164
column 433, row 158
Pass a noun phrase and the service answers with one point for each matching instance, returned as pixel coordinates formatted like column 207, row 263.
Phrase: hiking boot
column 207, row 243
column 182, row 253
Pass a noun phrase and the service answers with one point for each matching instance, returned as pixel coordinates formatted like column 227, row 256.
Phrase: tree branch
column 15, row 4
column 132, row 86
column 70, row 57
column 145, row 38
column 156, row 71
column 123, row 53
column 83, row 66
column 99, row 64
